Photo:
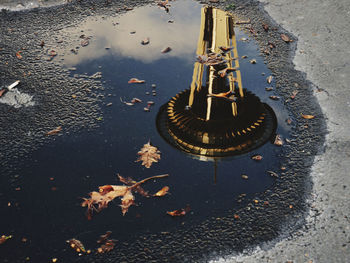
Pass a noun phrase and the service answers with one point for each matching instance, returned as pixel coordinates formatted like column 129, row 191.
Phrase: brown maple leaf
column 148, row 155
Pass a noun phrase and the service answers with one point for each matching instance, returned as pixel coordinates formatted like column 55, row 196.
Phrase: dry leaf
column 294, row 93
column 84, row 42
column 4, row 238
column 269, row 79
column 274, row 97
column 107, row 193
column 285, row 38
column 273, row 174
column 225, row 71
column 18, row 55
column 265, row 27
column 2, row 92
column 269, row 88
column 136, row 100
column 135, row 80
column 308, row 117
column 107, row 246
column 179, row 212
column 229, row 95
column 252, row 61
column 235, row 216
column 54, row 131
column 278, row 140
column 148, row 155
column 289, row 121
column 257, row 157
column 162, row 191
column 211, row 59
column 166, row 50
column 241, row 22
column 244, row 176
column 76, row 245
column 104, row 237
column 225, row 49
column 145, row 41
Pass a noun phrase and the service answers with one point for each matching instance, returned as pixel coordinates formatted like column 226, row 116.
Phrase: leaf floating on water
column 104, row 237
column 225, row 71
column 179, row 212
column 4, row 238
column 274, row 97
column 136, row 80
column 241, row 22
column 107, row 246
column 278, row 140
column 76, row 245
column 211, row 59
column 257, row 157
column 269, row 88
column 163, row 191
column 225, row 49
column 244, row 176
column 107, row 193
column 273, row 174
column 145, row 41
column 285, row 38
column 54, row 131
column 252, row 61
column 18, row 55
column 85, row 42
column 148, row 155
column 166, row 50
column 126, row 103
column 136, row 100
column 269, row 79
column 307, row 116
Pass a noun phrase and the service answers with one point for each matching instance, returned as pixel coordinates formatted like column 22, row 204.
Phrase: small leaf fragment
column 307, row 116
column 278, row 140
column 294, row 93
column 269, row 79
column 136, row 80
column 285, row 38
column 252, row 61
column 274, row 97
column 76, row 245
column 272, row 173
column 18, row 55
column 4, row 238
column 145, row 41
column 265, row 27
column 179, row 212
column 163, row 191
column 257, row 157
column 166, row 50
column 235, row 216
column 244, row 176
column 54, row 131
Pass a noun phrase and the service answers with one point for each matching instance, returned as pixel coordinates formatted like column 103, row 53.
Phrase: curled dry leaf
column 229, row 95
column 166, row 50
column 211, row 59
column 148, row 155
column 278, row 140
column 76, row 245
column 2, row 92
column 137, row 81
column 54, row 131
column 136, row 100
column 307, row 116
column 269, row 79
column 285, row 38
column 269, row 88
column 257, row 157
column 145, row 41
column 179, row 212
column 252, row 61
column 18, row 55
column 163, row 191
column 104, row 237
column 4, row 238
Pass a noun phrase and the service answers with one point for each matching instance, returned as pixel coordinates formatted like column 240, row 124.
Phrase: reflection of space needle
column 219, row 118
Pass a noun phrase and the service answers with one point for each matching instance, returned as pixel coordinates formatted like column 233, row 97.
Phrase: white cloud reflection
column 151, row 22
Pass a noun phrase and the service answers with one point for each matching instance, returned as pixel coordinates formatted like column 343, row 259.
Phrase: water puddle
column 44, row 196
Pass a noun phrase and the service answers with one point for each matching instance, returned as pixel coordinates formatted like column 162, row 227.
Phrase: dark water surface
column 78, row 163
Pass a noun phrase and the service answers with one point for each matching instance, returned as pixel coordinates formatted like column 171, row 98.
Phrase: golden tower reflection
column 216, row 117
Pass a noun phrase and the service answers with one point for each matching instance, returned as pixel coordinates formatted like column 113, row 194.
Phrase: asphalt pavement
column 323, row 53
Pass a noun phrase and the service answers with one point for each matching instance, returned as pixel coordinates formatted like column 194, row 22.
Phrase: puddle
column 46, row 208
